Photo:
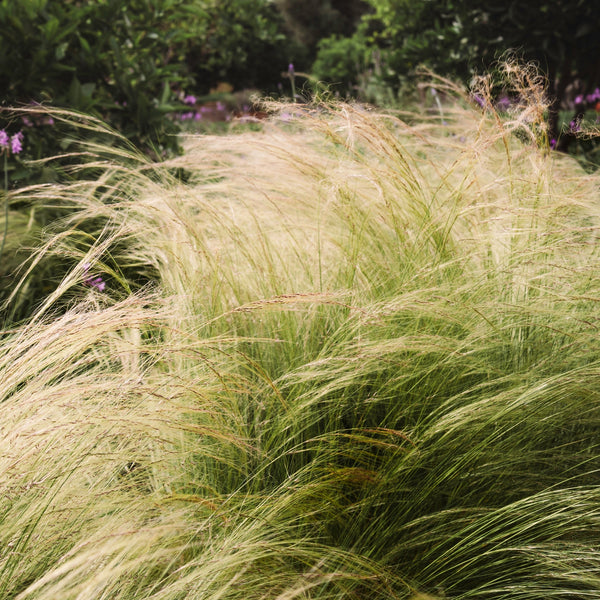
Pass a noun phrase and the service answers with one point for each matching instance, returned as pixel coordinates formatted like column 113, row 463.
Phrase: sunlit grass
column 349, row 358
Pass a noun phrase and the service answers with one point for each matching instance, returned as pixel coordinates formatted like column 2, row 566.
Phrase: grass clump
column 363, row 364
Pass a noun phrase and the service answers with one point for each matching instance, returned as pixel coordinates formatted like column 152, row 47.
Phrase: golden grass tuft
column 360, row 361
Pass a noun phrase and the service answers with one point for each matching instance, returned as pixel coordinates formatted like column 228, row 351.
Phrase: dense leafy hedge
column 309, row 21
column 462, row 37
column 244, row 43
column 107, row 58
column 128, row 63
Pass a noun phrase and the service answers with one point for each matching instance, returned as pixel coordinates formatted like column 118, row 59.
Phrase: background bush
column 109, row 59
column 244, row 43
column 459, row 38
column 128, row 63
column 309, row 21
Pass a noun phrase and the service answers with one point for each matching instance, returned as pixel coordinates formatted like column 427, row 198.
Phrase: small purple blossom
column 189, row 99
column 579, row 99
column 4, row 140
column 479, row 100
column 291, row 68
column 553, row 143
column 575, row 126
column 27, row 122
column 95, row 282
column 591, row 98
column 16, row 143
column 504, row 103
column 220, row 106
column 198, row 116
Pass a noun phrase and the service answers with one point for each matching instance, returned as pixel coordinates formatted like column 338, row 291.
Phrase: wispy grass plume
column 353, row 356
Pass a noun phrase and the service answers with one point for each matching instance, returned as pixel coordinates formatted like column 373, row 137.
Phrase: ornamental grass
column 353, row 355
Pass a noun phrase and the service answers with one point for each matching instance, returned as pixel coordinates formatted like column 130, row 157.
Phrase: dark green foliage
column 244, row 44
column 112, row 60
column 127, row 63
column 461, row 37
column 341, row 60
column 309, row 21
column 458, row 38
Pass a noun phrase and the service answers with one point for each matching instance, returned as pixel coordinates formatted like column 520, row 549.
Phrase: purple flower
column 553, row 143
column 579, row 99
column 504, row 103
column 198, row 116
column 4, row 141
column 220, row 106
column 291, row 68
column 95, row 282
column 189, row 99
column 479, row 100
column 575, row 126
column 16, row 143
column 27, row 122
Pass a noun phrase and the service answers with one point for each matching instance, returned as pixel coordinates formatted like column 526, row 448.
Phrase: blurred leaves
column 126, row 63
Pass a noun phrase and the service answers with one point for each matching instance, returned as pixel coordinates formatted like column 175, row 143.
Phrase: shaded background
column 133, row 63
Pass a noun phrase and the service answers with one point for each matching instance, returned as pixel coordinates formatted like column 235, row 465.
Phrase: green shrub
column 127, row 64
column 463, row 38
column 110, row 59
column 309, row 21
column 244, row 44
column 341, row 61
